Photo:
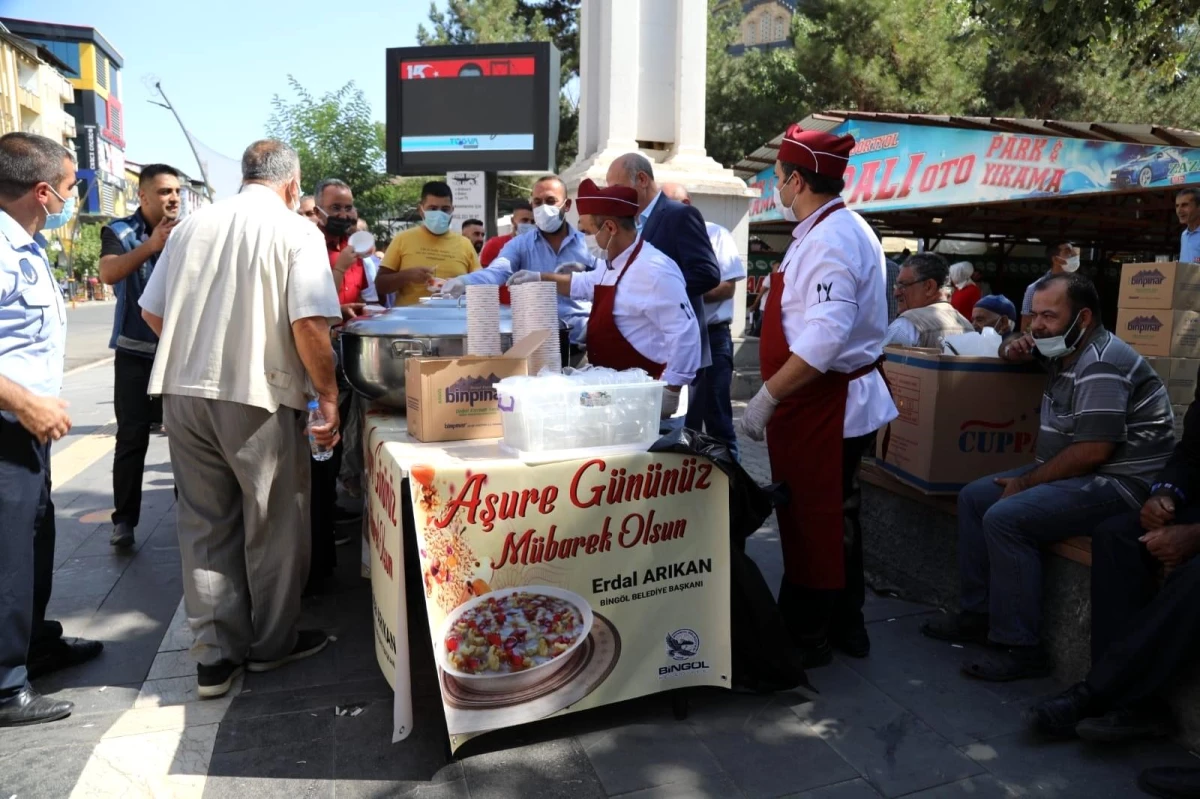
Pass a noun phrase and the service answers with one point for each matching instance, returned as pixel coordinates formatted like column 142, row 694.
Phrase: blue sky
column 221, row 61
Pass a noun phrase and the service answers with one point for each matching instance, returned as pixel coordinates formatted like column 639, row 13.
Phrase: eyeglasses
column 903, row 286
column 338, row 209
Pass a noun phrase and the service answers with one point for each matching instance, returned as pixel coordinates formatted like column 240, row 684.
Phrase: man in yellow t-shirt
column 420, row 254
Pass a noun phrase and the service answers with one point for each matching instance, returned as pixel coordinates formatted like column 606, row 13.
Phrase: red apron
column 605, row 344
column 804, row 442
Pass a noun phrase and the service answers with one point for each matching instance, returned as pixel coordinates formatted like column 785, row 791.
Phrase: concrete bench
column 910, row 542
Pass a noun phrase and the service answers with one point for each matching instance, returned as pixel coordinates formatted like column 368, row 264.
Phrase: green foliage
column 336, row 137
column 85, row 251
column 498, row 21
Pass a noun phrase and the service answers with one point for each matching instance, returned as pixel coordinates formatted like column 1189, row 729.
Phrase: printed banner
column 566, row 586
column 896, row 166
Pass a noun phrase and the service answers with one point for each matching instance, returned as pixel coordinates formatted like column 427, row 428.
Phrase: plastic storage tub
column 590, row 411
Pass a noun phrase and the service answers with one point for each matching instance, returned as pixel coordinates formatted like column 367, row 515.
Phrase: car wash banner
column 897, row 166
column 564, row 586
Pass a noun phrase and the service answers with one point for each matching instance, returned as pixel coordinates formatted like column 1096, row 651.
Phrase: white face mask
column 548, row 218
column 1053, row 347
column 294, row 205
column 1072, row 264
column 788, row 213
column 594, row 249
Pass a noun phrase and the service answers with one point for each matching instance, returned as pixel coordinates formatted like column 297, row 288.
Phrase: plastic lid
column 313, row 405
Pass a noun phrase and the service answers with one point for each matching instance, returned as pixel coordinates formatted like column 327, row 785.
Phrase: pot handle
column 512, row 403
column 405, row 347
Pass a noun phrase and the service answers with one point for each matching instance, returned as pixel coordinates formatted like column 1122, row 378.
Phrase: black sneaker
column 853, row 642
column 216, row 680
column 343, row 516
column 1152, row 720
column 340, row 538
column 1057, row 715
column 963, row 627
column 308, row 643
column 816, row 654
column 122, row 537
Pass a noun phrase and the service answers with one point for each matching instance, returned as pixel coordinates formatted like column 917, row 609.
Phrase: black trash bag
column 764, row 658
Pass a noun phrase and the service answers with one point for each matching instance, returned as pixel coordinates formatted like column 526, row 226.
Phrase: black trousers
column 1140, row 638
column 136, row 411
column 26, row 553
column 324, row 495
column 812, row 614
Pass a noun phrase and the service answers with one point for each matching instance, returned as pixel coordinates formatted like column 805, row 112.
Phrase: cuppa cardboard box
column 451, row 399
column 960, row 418
column 1160, row 285
column 1164, row 333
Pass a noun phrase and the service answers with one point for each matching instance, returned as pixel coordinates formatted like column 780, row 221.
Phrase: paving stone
column 27, row 773
column 364, row 748
column 702, row 786
column 896, row 751
column 551, row 770
column 178, row 691
column 78, row 728
column 87, row 576
column 852, row 789
column 89, row 698
column 764, row 747
column 165, row 763
column 923, row 676
column 288, row 771
column 1073, row 768
column 984, row 786
column 881, row 608
column 255, row 733
column 168, row 717
column 639, row 756
column 176, row 663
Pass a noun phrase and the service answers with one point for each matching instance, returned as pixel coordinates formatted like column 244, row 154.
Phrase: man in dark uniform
column 37, row 192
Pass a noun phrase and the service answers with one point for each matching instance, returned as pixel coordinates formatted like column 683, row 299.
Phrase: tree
column 498, row 21
column 336, row 137
column 85, row 251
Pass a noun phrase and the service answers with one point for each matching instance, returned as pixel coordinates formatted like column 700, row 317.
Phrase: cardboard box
column 1160, row 285
column 1179, row 376
column 452, row 399
column 960, row 418
column 1180, row 411
column 1165, row 333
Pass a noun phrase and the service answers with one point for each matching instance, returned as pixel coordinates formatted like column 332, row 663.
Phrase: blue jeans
column 709, row 406
column 1000, row 544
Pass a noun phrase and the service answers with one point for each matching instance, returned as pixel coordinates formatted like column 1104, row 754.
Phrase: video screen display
column 470, row 109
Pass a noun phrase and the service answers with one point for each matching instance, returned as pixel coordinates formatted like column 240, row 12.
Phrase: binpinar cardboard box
column 960, row 418
column 1179, row 375
column 1161, row 333
column 1161, row 286
column 451, row 399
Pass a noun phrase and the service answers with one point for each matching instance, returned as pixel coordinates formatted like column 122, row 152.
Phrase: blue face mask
column 524, row 227
column 55, row 221
column 437, row 222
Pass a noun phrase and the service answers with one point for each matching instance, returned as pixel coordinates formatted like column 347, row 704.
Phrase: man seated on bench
column 1140, row 639
column 1106, row 432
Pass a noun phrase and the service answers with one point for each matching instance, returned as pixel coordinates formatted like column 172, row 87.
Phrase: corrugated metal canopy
column 1099, row 131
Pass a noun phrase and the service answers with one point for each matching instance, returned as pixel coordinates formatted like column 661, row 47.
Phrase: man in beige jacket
column 242, row 299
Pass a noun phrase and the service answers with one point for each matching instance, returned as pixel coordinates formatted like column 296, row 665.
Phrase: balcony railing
column 29, row 100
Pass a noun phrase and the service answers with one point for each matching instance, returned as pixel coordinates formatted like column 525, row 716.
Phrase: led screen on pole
column 491, row 107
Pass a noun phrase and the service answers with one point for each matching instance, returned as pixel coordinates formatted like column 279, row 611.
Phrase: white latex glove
column 670, row 401
column 758, row 412
column 454, row 287
column 567, row 269
column 524, row 276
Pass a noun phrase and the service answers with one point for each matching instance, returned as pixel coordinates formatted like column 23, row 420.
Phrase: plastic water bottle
column 316, row 419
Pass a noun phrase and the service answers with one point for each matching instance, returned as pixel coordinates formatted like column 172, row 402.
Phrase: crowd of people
column 222, row 332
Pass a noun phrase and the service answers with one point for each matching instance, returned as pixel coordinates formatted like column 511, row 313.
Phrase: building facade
column 34, row 90
column 95, row 77
column 764, row 24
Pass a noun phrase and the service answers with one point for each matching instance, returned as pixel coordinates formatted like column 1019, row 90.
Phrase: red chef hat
column 611, row 201
column 816, row 150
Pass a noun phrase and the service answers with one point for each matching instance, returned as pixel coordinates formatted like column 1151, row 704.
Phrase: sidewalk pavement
column 903, row 722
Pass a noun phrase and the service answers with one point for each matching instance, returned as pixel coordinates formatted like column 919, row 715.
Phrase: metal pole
column 196, row 155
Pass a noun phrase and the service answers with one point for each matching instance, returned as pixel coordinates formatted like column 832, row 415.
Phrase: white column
column 691, row 59
column 620, row 65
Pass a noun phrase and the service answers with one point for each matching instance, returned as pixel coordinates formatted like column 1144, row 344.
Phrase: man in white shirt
column 242, row 299
column 709, row 407
column 824, row 395
column 640, row 309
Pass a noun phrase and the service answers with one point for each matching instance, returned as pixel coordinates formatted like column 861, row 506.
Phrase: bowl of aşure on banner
column 508, row 640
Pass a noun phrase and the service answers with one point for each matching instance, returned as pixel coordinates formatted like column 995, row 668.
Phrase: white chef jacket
column 835, row 309
column 651, row 309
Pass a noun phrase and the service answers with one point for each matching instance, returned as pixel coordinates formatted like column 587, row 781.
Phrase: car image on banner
column 1145, row 170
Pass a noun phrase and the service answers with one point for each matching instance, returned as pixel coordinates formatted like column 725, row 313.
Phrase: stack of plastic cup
column 534, row 308
column 483, row 320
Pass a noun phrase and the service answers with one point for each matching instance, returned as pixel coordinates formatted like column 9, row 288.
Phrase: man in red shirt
column 522, row 220
column 337, row 218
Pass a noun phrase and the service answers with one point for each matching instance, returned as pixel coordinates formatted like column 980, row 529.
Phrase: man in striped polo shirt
column 1106, row 432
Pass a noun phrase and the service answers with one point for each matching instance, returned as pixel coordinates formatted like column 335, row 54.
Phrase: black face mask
column 339, row 226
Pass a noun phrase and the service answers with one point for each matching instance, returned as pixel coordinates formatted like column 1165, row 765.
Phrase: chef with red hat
column 641, row 316
column 824, row 395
